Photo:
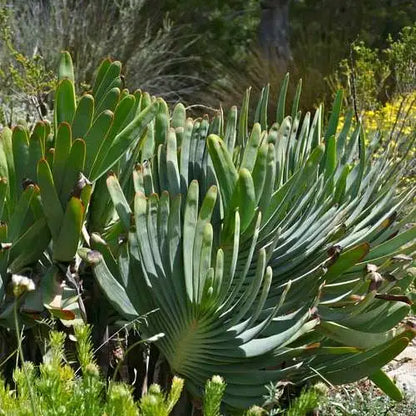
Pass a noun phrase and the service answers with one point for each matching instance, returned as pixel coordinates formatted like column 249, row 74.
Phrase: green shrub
column 214, row 391
column 56, row 389
column 24, row 79
column 322, row 32
column 374, row 76
column 156, row 403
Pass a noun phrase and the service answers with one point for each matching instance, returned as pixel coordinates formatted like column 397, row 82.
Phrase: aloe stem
column 20, row 350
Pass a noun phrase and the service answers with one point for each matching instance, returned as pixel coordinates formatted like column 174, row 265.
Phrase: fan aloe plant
column 273, row 254
column 270, row 251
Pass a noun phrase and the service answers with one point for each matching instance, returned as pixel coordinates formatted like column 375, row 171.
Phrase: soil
column 403, row 370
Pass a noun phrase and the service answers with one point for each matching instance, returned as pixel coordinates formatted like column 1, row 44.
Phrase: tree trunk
column 274, row 32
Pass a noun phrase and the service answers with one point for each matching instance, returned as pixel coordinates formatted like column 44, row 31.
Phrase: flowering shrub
column 398, row 115
column 393, row 126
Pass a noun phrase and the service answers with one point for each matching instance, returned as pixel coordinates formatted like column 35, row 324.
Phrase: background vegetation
column 209, row 51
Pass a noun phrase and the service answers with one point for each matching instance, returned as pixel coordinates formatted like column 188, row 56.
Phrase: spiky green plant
column 157, row 403
column 308, row 401
column 276, row 253
column 214, row 391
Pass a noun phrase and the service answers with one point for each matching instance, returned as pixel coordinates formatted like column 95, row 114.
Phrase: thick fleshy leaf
column 387, row 385
column 67, row 242
column 52, row 207
column 65, row 102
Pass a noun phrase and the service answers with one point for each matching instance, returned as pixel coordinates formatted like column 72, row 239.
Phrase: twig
column 22, row 359
column 147, row 340
column 354, row 95
column 353, row 86
column 202, row 106
column 117, row 332
column 320, row 375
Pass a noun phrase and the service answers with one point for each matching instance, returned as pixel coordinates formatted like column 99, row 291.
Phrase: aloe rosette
column 279, row 253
